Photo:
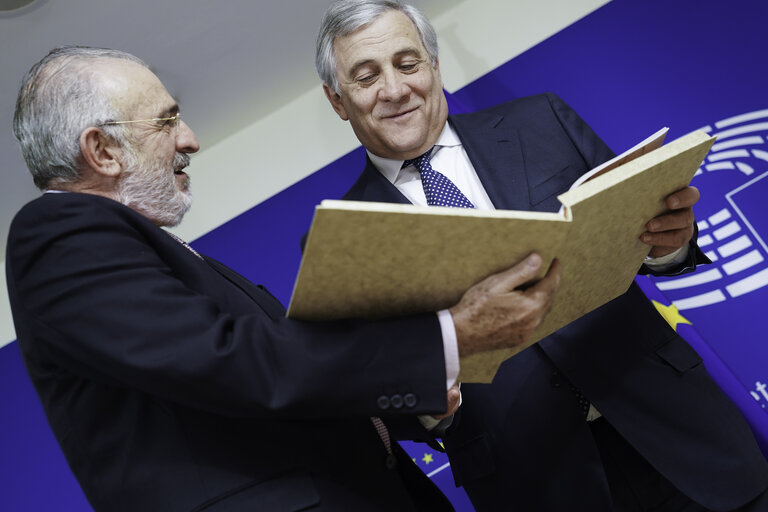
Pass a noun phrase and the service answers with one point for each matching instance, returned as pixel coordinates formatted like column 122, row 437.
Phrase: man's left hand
column 673, row 229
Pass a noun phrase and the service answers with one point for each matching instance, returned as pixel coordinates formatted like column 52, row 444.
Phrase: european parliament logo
column 733, row 228
column 733, row 231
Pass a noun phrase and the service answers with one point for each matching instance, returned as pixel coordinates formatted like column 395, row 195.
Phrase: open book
column 653, row 142
column 379, row 259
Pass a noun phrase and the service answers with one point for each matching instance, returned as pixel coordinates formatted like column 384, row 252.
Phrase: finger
column 453, row 397
column 521, row 273
column 658, row 252
column 453, row 402
column 548, row 285
column 678, row 219
column 673, row 239
column 683, row 198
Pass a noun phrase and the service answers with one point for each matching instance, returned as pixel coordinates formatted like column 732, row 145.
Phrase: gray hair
column 59, row 97
column 346, row 16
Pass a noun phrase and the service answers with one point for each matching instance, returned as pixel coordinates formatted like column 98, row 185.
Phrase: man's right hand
column 504, row 309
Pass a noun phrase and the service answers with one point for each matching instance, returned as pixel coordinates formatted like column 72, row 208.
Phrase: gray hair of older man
column 60, row 96
column 346, row 16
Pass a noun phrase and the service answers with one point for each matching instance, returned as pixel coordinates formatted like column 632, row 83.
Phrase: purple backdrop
column 629, row 68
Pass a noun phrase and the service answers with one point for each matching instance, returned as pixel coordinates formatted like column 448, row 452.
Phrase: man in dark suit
column 171, row 382
column 613, row 412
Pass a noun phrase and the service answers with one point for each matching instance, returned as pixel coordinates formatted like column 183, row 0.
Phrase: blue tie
column 440, row 191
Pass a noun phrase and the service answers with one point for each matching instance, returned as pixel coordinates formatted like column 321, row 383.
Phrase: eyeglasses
column 173, row 121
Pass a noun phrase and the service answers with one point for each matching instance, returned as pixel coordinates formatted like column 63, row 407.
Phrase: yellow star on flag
column 671, row 314
column 427, row 459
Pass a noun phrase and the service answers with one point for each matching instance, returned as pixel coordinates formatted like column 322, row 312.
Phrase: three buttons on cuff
column 397, row 401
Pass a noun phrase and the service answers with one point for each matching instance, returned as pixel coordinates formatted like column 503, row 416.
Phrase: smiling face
column 390, row 92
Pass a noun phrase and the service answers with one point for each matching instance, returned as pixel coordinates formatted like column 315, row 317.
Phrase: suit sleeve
column 90, row 293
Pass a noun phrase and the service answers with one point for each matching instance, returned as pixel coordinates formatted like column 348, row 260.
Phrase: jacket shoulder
column 59, row 209
column 69, row 217
column 520, row 106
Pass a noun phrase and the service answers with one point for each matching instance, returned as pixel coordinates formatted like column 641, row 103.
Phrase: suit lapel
column 497, row 156
column 257, row 293
column 373, row 186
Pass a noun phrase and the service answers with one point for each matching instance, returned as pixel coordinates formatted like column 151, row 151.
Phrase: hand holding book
column 673, row 229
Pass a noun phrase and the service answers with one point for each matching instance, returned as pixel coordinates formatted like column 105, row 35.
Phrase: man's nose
column 186, row 141
column 394, row 87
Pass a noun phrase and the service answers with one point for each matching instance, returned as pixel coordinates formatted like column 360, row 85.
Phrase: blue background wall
column 629, row 68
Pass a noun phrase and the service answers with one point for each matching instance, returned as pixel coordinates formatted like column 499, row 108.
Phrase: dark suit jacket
column 521, row 443
column 174, row 384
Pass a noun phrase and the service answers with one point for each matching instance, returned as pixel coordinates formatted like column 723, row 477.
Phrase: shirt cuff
column 428, row 422
column 671, row 260
column 450, row 347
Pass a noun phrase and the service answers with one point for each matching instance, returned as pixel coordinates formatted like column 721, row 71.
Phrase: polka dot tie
column 583, row 402
column 440, row 191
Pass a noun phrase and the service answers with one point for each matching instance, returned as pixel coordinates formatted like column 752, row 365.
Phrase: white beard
column 151, row 190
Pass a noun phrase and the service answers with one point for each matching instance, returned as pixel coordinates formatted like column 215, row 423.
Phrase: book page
column 646, row 146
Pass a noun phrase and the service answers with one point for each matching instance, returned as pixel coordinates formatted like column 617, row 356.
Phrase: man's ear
column 336, row 102
column 100, row 152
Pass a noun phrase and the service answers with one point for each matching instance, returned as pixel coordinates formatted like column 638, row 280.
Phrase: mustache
column 180, row 161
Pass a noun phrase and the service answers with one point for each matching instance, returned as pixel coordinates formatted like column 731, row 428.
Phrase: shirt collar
column 391, row 168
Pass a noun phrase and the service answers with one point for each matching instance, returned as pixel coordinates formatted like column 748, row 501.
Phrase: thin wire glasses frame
column 174, row 118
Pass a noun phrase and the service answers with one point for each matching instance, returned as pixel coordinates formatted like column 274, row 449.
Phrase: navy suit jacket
column 521, row 443
column 174, row 384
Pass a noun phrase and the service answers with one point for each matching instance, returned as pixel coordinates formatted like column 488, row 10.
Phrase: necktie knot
column 419, row 160
column 439, row 190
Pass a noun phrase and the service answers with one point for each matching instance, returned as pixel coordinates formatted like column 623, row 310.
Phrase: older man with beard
column 171, row 382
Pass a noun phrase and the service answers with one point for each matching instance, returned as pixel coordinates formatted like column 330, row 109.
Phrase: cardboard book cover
column 376, row 260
